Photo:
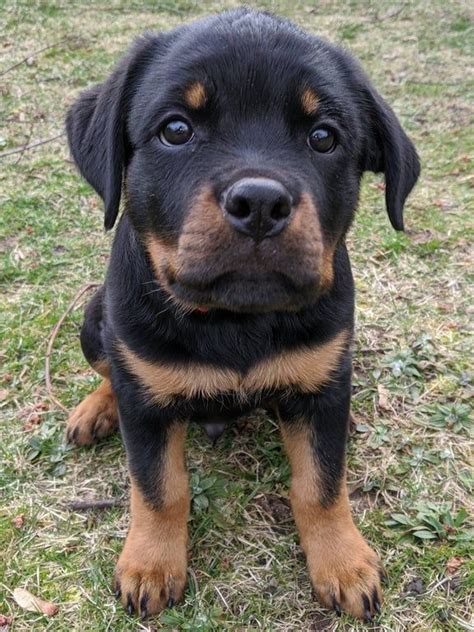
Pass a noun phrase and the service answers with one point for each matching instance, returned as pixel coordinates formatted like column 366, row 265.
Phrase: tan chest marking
column 304, row 370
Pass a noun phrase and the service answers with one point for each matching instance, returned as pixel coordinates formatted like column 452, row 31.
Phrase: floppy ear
column 391, row 151
column 97, row 131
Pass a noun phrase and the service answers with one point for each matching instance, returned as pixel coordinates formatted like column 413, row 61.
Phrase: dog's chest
column 303, row 369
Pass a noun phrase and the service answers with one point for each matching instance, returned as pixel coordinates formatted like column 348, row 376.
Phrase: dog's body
column 239, row 143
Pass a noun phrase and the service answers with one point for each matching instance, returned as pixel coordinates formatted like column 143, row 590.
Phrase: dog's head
column 239, row 143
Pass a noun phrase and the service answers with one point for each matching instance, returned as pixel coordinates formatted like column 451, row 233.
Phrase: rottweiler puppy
column 237, row 144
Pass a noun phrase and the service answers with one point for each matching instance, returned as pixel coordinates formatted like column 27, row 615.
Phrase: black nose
column 258, row 207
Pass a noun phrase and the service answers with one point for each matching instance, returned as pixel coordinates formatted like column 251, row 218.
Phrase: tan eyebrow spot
column 309, row 101
column 195, row 95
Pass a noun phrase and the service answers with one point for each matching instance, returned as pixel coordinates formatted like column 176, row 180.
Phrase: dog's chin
column 233, row 292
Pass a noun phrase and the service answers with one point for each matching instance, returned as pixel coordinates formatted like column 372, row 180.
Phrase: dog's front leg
column 345, row 571
column 151, row 571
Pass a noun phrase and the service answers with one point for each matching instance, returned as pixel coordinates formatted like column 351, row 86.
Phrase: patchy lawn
column 408, row 456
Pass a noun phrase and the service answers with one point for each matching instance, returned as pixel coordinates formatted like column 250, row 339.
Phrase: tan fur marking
column 341, row 564
column 305, row 369
column 195, row 96
column 102, row 368
column 327, row 269
column 309, row 101
column 153, row 561
column 205, row 229
column 206, row 235
column 163, row 260
column 305, row 227
column 209, row 246
column 162, row 255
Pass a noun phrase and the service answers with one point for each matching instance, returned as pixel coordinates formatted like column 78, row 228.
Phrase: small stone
column 415, row 586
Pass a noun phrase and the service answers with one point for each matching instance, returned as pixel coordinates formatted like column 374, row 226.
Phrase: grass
column 409, row 478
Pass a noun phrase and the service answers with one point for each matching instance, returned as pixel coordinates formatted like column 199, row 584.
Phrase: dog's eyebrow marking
column 195, row 95
column 302, row 370
column 309, row 101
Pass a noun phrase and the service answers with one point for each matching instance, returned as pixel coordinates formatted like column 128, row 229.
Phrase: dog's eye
column 322, row 140
column 176, row 132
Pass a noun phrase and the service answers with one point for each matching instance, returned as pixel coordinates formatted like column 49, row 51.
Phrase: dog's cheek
column 155, row 197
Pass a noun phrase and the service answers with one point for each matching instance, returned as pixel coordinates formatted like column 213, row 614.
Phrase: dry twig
column 85, row 505
column 34, row 54
column 52, row 338
column 18, row 150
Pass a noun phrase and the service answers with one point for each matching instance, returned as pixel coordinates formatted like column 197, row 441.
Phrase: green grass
column 409, row 472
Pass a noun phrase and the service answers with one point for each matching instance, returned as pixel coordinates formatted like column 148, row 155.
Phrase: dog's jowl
column 235, row 146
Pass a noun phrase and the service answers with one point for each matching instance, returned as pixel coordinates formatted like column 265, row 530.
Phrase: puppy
column 237, row 145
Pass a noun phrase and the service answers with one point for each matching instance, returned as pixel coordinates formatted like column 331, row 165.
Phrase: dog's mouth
column 211, row 265
column 238, row 292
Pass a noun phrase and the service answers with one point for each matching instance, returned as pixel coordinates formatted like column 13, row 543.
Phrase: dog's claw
column 375, row 601
column 130, row 608
column 367, row 614
column 336, row 606
column 170, row 603
column 143, row 608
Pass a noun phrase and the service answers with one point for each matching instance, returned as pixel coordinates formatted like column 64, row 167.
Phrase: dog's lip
column 198, row 284
column 202, row 299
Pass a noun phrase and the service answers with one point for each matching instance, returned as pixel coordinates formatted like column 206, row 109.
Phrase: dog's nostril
column 239, row 207
column 281, row 210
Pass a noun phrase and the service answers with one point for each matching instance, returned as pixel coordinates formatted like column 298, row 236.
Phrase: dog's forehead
column 246, row 70
column 253, row 58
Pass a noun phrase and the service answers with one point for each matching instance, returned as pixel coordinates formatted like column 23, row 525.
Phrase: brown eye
column 322, row 140
column 176, row 132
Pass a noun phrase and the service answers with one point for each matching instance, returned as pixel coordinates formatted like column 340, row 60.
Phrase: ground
column 408, row 458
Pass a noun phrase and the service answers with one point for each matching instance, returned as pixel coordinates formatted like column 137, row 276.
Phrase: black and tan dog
column 238, row 144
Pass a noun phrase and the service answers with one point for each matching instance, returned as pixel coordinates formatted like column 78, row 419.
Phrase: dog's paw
column 146, row 582
column 346, row 574
column 94, row 418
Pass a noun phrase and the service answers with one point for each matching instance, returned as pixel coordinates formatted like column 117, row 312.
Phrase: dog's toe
column 95, row 418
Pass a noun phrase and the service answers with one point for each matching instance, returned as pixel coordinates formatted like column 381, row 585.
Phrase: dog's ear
column 97, row 131
column 389, row 150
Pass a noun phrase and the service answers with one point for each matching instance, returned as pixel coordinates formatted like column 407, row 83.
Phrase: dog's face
column 241, row 142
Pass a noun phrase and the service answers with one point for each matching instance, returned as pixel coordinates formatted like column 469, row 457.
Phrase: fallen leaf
column 19, row 521
column 33, row 421
column 5, row 620
column 31, row 411
column 32, row 414
column 383, row 397
column 453, row 564
column 34, row 604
